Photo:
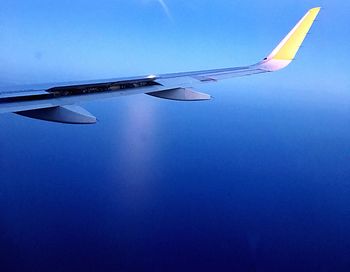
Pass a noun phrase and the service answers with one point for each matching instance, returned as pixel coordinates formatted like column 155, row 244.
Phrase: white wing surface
column 55, row 102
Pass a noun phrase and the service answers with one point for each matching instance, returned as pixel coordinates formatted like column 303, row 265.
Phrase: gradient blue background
column 256, row 180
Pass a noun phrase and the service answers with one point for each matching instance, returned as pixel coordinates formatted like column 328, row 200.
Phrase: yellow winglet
column 290, row 45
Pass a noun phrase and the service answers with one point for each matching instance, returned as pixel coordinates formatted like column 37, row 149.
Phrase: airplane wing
column 57, row 102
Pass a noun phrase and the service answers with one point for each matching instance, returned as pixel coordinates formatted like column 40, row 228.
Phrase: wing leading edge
column 54, row 102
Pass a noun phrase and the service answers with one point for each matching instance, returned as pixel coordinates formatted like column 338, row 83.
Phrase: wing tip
column 285, row 52
column 316, row 9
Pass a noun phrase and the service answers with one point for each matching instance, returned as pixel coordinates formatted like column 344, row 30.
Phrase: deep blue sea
column 254, row 180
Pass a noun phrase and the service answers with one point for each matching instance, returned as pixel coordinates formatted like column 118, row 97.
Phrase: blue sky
column 45, row 41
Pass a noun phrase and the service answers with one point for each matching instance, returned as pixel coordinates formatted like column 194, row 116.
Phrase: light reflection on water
column 137, row 143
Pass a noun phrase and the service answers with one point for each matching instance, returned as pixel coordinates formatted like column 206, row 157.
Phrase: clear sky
column 45, row 41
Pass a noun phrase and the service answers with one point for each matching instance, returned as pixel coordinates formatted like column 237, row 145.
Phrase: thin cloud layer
column 166, row 9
